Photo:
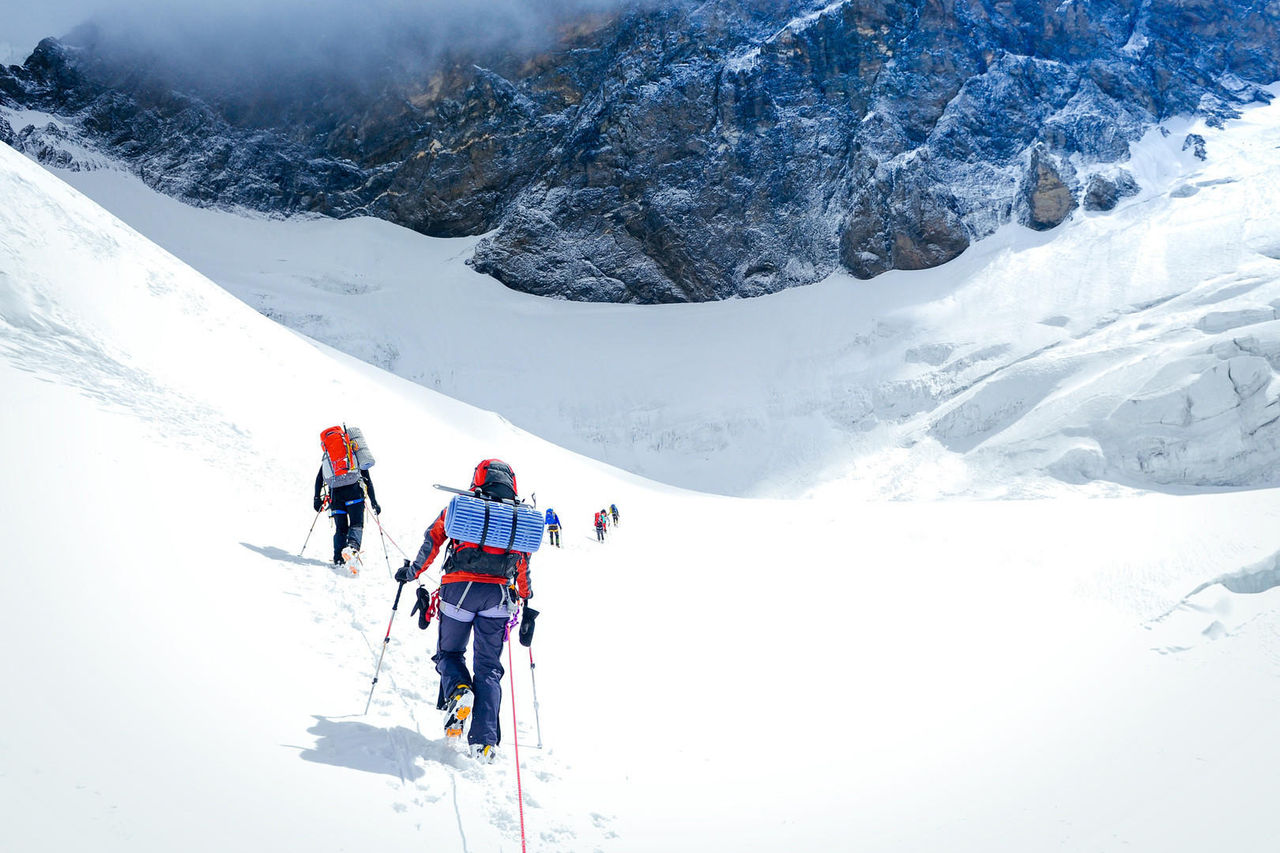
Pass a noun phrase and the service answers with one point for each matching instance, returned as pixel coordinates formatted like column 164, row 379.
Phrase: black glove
column 377, row 510
column 405, row 573
column 317, row 503
column 526, row 626
column 423, row 608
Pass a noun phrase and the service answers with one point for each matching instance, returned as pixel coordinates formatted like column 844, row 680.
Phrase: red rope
column 388, row 535
column 515, row 737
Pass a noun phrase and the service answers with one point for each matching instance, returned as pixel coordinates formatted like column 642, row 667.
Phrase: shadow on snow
column 360, row 746
column 271, row 552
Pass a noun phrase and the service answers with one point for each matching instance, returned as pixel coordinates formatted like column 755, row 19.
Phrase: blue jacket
column 552, row 518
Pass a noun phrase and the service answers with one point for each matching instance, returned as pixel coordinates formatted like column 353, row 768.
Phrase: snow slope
column 1070, row 673
column 1137, row 347
column 170, row 660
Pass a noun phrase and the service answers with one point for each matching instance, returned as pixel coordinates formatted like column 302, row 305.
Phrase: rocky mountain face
column 692, row 151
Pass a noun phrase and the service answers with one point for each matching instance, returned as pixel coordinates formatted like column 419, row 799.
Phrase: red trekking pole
column 527, row 624
column 385, row 641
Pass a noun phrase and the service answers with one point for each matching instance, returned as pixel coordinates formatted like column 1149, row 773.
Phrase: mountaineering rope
column 515, row 731
column 388, row 535
column 385, row 555
column 365, row 491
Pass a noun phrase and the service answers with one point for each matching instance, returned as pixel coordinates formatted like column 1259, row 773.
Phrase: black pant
column 478, row 613
column 346, row 505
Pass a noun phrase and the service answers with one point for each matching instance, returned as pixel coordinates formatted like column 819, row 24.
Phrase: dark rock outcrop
column 1195, row 142
column 903, row 219
column 696, row 151
column 1104, row 192
column 1046, row 199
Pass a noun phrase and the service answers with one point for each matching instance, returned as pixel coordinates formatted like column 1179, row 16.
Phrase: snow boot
column 457, row 710
column 483, row 752
column 351, row 559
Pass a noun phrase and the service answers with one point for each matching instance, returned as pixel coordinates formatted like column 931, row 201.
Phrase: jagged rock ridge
column 699, row 151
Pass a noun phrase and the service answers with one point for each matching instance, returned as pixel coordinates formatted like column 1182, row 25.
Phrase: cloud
column 25, row 23
column 238, row 43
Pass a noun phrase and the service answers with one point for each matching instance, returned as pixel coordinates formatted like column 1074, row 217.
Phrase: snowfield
column 1137, row 347
column 1093, row 667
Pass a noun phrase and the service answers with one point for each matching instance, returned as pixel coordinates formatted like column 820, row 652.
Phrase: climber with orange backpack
column 344, row 471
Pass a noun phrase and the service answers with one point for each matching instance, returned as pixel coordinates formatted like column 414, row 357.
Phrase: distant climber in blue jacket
column 553, row 527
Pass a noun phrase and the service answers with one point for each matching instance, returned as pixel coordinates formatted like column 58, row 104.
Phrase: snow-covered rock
column 687, row 151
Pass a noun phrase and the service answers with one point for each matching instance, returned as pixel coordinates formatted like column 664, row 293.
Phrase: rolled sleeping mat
column 364, row 459
column 493, row 524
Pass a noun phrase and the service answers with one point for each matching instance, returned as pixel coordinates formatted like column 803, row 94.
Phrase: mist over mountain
column 655, row 152
column 239, row 53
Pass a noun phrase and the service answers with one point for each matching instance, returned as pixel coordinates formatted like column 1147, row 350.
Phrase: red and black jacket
column 467, row 561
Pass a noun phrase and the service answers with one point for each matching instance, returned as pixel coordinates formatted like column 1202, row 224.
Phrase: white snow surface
column 1092, row 668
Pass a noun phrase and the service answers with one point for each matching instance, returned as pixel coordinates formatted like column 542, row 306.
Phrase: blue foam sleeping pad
column 464, row 521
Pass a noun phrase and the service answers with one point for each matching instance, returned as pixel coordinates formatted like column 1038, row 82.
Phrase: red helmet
column 495, row 478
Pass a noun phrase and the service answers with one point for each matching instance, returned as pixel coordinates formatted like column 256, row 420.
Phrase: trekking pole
column 385, row 555
column 515, row 736
column 534, row 681
column 385, row 641
column 378, row 521
column 313, row 527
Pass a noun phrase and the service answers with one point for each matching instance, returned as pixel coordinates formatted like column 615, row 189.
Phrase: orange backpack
column 339, row 467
